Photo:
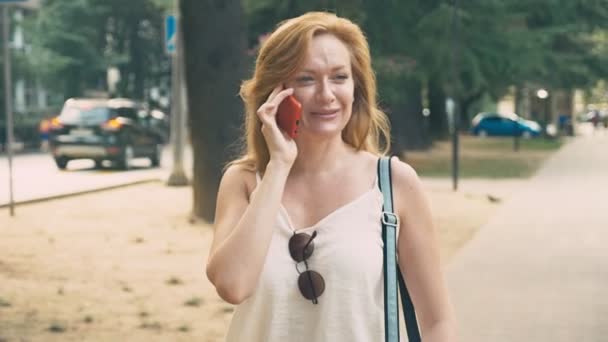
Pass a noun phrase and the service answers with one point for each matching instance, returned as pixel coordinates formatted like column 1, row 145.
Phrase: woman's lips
column 326, row 114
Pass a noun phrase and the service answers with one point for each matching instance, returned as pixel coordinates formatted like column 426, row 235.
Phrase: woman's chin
column 325, row 131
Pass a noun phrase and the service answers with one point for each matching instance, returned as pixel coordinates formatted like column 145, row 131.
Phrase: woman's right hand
column 282, row 148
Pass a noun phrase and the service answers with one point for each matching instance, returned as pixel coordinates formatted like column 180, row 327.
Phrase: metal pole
column 178, row 176
column 546, row 116
column 455, row 152
column 455, row 115
column 8, row 98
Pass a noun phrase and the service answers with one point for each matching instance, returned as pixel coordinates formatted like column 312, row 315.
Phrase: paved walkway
column 538, row 271
column 35, row 176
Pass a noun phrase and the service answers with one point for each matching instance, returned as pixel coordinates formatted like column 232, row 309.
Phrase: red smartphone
column 288, row 115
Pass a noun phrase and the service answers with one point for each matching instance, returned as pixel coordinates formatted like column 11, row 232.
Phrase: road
column 35, row 175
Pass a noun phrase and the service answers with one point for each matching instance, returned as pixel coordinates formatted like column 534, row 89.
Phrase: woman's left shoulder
column 407, row 186
column 409, row 194
column 403, row 174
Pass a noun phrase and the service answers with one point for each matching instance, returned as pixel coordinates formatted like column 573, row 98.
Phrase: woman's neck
column 318, row 157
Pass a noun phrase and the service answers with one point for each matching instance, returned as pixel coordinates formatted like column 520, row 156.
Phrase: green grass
column 4, row 302
column 56, row 328
column 151, row 326
column 174, row 281
column 477, row 168
column 484, row 158
column 184, row 328
column 506, row 144
column 195, row 301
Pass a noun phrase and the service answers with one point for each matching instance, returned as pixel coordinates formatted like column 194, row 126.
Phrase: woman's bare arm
column 243, row 231
column 419, row 258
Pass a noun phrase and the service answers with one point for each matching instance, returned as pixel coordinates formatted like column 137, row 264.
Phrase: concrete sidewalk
column 36, row 178
column 538, row 271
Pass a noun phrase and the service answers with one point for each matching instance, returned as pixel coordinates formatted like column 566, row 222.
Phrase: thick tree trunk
column 214, row 41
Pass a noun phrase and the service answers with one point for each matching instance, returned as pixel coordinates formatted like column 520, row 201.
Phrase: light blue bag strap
column 392, row 273
column 389, row 236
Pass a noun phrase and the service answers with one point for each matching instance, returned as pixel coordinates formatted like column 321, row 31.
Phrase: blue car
column 496, row 124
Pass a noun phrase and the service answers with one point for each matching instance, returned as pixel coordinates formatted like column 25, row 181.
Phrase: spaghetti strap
column 258, row 179
column 376, row 183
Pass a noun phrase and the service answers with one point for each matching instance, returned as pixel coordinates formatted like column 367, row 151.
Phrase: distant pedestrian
column 595, row 118
column 44, row 129
column 297, row 243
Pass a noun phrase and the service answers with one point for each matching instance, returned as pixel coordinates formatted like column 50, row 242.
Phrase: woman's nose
column 325, row 92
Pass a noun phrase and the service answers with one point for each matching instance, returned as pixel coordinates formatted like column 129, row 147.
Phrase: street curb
column 84, row 192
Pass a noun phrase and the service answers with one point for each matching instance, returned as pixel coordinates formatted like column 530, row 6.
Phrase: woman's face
column 324, row 86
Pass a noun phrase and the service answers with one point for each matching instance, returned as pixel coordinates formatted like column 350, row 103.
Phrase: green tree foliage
column 388, row 26
column 572, row 55
column 494, row 44
column 549, row 43
column 75, row 41
column 264, row 15
column 469, row 50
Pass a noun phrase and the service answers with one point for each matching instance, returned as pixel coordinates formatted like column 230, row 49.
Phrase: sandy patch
column 127, row 265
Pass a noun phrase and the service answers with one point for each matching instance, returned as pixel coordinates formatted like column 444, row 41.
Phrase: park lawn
column 484, row 157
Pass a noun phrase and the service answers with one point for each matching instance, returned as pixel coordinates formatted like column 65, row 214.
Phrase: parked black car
column 104, row 129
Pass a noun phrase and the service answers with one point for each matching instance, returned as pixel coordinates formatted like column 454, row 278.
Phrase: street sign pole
column 174, row 46
column 8, row 98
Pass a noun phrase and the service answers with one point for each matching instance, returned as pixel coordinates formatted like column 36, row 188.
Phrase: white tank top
column 348, row 254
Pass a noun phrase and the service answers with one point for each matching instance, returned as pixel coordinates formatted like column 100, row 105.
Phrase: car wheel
column 155, row 158
column 526, row 135
column 61, row 162
column 482, row 133
column 125, row 158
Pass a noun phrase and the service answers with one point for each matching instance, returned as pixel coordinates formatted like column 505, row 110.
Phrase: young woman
column 297, row 243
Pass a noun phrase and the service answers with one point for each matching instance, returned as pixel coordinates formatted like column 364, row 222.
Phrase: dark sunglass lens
column 311, row 285
column 297, row 243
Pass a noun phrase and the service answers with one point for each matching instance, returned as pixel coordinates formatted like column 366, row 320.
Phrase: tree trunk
column 214, row 47
column 137, row 61
column 465, row 107
column 438, row 120
column 407, row 126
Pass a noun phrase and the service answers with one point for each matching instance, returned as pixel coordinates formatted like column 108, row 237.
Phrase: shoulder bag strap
column 392, row 273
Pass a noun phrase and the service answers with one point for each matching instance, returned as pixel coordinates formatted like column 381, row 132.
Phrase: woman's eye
column 341, row 77
column 304, row 79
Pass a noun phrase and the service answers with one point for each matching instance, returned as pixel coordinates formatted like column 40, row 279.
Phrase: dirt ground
column 127, row 265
